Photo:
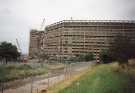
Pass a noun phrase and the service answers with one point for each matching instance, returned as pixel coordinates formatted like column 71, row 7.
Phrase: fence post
column 31, row 84
column 37, row 90
column 2, row 87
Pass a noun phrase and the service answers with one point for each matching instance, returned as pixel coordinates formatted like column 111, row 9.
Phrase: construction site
column 67, row 46
column 69, row 38
column 52, row 65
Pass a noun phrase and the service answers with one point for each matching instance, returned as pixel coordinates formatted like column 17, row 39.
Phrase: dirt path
column 34, row 86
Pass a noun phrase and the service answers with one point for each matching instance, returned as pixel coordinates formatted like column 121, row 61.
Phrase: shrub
column 89, row 57
column 105, row 57
column 122, row 48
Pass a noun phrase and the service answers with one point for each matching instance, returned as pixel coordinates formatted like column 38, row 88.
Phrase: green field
column 104, row 79
column 17, row 71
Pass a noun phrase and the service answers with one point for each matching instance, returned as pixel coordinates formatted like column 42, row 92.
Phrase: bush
column 18, row 71
column 105, row 57
column 82, row 57
column 123, row 48
column 89, row 57
column 24, row 66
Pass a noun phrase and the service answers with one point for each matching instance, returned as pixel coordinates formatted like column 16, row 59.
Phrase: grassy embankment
column 107, row 78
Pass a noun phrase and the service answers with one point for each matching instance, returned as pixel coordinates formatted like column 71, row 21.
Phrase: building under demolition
column 73, row 37
column 36, row 42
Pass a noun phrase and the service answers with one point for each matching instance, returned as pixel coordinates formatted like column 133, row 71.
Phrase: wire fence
column 38, row 84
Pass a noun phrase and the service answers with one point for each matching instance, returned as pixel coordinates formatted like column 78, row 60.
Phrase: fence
column 35, row 84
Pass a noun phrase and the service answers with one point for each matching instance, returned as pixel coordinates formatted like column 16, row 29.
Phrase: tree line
column 8, row 52
column 122, row 49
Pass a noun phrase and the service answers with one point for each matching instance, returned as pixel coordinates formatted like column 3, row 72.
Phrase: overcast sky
column 17, row 17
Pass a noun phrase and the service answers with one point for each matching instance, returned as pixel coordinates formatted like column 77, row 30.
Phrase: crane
column 42, row 24
column 18, row 46
column 20, row 51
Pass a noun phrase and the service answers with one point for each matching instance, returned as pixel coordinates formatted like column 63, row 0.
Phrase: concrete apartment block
column 73, row 37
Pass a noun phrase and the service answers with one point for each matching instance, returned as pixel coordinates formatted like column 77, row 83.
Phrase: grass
column 102, row 79
column 67, row 82
column 14, row 71
column 54, row 66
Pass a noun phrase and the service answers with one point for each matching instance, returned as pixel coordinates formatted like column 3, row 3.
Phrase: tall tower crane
column 20, row 51
column 18, row 46
column 42, row 24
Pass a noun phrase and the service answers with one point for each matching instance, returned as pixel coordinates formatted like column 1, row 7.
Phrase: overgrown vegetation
column 121, row 50
column 40, row 55
column 82, row 57
column 13, row 71
column 102, row 79
column 105, row 57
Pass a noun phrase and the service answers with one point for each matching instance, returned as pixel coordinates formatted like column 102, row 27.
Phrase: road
column 34, row 86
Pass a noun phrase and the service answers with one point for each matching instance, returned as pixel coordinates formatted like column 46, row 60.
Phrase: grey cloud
column 18, row 16
column 5, row 11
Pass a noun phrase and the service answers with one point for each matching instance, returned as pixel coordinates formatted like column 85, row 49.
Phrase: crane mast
column 42, row 24
column 18, row 45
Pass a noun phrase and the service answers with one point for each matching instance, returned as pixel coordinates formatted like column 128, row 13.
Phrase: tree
column 81, row 57
column 122, row 49
column 105, row 57
column 85, row 57
column 89, row 57
column 42, row 56
column 8, row 52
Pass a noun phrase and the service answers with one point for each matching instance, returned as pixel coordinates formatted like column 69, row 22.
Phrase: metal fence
column 36, row 84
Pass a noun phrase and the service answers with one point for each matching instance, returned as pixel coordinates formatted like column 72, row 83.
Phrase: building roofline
column 95, row 21
column 35, row 30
